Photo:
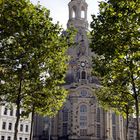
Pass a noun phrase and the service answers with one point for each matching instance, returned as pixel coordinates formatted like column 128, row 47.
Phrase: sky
column 59, row 9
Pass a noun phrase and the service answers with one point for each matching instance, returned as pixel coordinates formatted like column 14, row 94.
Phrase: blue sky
column 59, row 9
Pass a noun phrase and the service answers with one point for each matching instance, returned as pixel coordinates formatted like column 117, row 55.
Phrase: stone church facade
column 81, row 117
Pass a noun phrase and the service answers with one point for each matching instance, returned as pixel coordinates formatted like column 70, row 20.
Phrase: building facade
column 7, row 123
column 81, row 117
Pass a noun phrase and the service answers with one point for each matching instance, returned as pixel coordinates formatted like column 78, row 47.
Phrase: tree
column 120, row 101
column 115, row 41
column 32, row 59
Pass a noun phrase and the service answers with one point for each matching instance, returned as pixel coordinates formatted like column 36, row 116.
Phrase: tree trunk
column 17, row 123
column 127, row 122
column 50, row 125
column 137, row 117
column 17, row 111
column 32, row 124
column 136, row 104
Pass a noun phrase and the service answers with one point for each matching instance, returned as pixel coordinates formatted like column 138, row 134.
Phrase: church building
column 81, row 117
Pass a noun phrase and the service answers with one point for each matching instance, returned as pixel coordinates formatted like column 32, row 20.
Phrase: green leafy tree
column 119, row 100
column 115, row 41
column 32, row 59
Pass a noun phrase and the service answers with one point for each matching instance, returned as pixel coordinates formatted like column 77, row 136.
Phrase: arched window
column 73, row 11
column 83, row 75
column 21, row 127
column 5, row 111
column 83, row 119
column 11, row 112
column 83, row 108
column 9, row 138
column 82, row 12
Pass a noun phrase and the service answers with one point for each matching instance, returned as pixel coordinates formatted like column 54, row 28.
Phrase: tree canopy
column 32, row 58
column 116, row 43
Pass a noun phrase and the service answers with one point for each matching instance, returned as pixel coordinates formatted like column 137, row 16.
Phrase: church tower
column 78, row 13
column 81, row 117
column 80, row 64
